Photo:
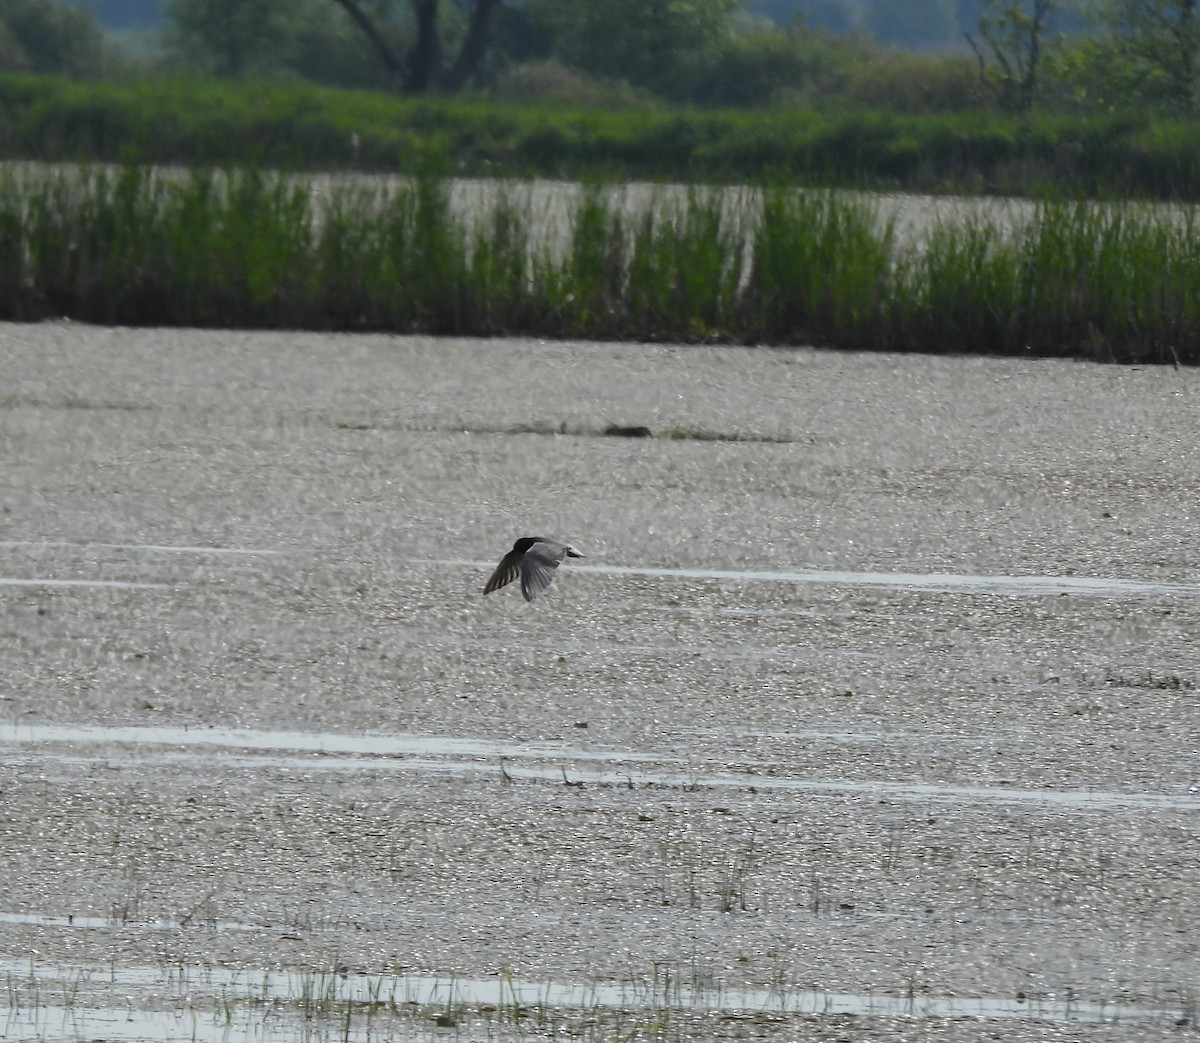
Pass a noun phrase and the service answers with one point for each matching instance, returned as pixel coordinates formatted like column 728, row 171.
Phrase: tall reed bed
column 1115, row 283
column 1119, row 283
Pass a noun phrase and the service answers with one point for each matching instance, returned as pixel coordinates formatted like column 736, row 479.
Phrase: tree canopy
column 41, row 36
column 1070, row 55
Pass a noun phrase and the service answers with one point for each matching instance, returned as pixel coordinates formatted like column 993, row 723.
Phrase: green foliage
column 1014, row 36
column 903, row 82
column 781, row 266
column 280, row 39
column 44, row 37
column 1157, row 44
column 229, row 39
column 535, row 81
column 1089, row 75
column 298, row 126
column 761, row 69
column 325, row 46
column 964, row 289
column 685, row 269
column 640, row 41
column 822, row 271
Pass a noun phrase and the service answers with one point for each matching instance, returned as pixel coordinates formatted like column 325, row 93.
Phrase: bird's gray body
column 534, row 559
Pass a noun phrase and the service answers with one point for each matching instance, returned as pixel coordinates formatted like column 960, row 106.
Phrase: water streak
column 404, row 744
column 115, row 584
column 940, row 582
column 146, row 547
column 430, row 754
column 336, row 991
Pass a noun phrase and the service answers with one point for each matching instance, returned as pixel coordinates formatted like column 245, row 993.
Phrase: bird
column 534, row 559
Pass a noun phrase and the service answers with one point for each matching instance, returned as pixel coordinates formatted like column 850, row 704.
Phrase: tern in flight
column 535, row 559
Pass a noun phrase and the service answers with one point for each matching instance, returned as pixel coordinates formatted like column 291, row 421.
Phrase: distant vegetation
column 1034, row 98
column 302, row 127
column 783, row 267
column 1050, row 98
column 1088, row 57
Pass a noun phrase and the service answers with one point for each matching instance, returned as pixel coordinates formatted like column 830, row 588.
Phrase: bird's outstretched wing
column 508, row 570
column 538, row 566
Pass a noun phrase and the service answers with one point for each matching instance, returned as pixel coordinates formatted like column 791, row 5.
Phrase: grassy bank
column 248, row 250
column 299, row 126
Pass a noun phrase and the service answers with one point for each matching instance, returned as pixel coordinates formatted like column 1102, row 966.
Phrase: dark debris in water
column 635, row 431
column 1162, row 682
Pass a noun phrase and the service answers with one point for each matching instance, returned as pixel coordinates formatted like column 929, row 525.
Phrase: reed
column 1115, row 283
column 138, row 246
column 822, row 271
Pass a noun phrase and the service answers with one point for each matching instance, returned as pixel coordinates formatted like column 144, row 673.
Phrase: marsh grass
column 248, row 249
column 294, row 125
column 822, row 271
column 1106, row 282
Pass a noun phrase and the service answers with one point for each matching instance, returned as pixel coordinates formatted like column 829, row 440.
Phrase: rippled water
column 878, row 707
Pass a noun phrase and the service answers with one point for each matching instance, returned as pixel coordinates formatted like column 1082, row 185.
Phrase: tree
column 1160, row 42
column 40, row 36
column 230, row 37
column 424, row 68
column 266, row 37
column 640, row 41
column 1010, row 48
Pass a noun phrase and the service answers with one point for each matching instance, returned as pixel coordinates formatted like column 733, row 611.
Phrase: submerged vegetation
column 779, row 266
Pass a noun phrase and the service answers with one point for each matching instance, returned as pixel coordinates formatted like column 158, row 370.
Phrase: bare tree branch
column 474, row 45
column 424, row 67
column 1010, row 54
column 391, row 60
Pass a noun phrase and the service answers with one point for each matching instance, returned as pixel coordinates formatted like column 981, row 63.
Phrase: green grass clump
column 144, row 247
column 822, row 271
column 1115, row 283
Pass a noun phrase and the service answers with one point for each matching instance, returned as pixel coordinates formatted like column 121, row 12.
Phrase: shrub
column 916, row 84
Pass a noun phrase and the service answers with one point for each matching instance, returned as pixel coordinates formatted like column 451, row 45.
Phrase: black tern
column 534, row 559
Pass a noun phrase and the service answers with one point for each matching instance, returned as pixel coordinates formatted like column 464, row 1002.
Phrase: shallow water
column 34, row 545
column 950, row 583
column 417, row 753
column 287, row 992
column 882, row 705
column 116, row 584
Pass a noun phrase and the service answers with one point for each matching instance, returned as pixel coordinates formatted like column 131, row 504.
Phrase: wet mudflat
column 871, row 713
